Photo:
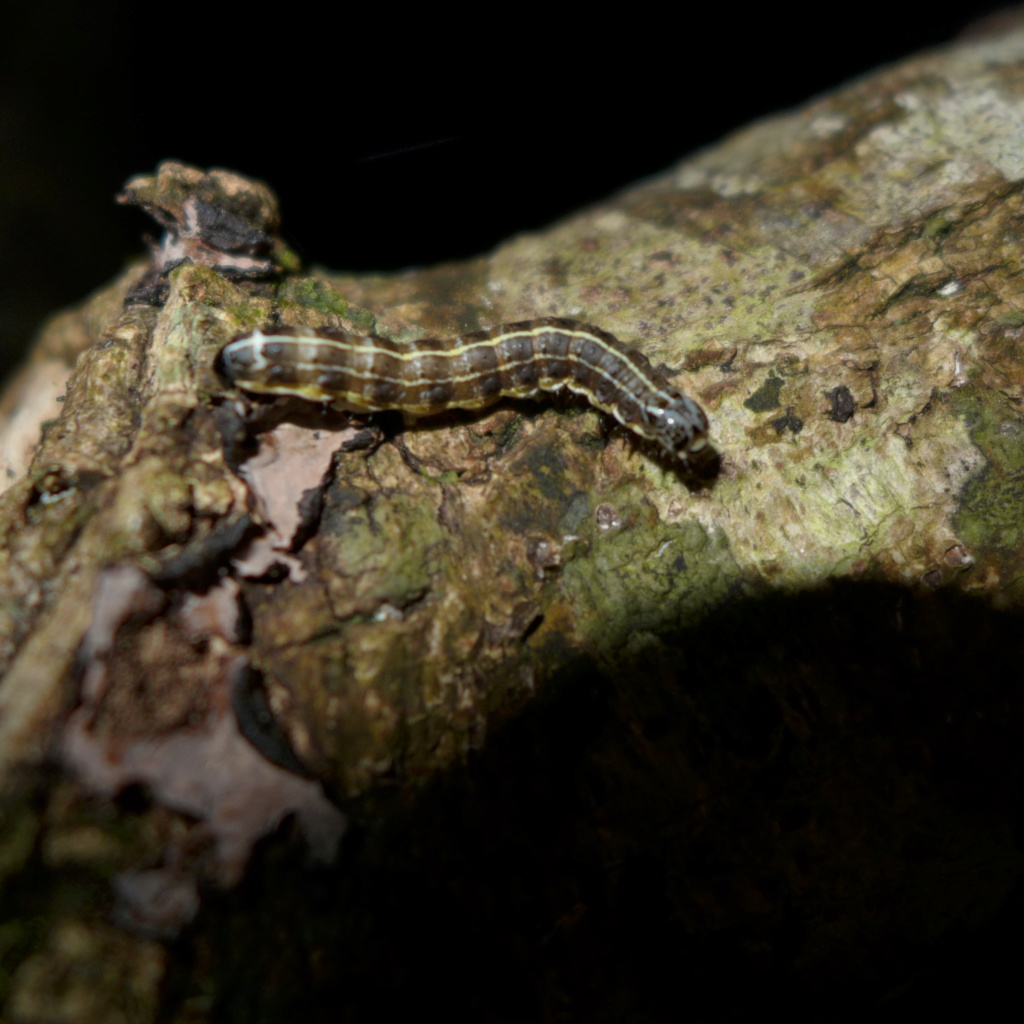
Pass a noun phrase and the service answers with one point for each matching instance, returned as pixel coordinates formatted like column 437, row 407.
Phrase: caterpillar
column 364, row 373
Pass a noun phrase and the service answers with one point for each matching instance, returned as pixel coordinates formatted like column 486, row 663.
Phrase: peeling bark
column 519, row 652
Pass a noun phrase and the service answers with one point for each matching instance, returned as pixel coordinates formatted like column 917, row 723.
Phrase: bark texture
column 600, row 734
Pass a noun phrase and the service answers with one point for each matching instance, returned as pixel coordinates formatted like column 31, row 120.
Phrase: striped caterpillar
column 364, row 373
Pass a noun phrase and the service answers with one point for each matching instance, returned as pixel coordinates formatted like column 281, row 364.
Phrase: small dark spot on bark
column 788, row 422
column 311, row 508
column 151, row 290
column 239, row 444
column 766, row 396
column 226, row 230
column 134, row 799
column 257, row 723
column 842, row 404
column 368, row 437
column 199, row 560
column 348, row 499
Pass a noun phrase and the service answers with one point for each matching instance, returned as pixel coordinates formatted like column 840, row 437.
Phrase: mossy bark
column 589, row 720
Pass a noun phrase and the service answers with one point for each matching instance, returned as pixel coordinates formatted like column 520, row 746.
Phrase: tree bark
column 585, row 720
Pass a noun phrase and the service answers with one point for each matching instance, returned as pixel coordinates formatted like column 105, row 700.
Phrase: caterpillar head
column 680, row 427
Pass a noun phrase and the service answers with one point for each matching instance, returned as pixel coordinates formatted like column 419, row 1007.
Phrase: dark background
column 391, row 138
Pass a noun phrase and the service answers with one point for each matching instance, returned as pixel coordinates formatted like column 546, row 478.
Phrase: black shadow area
column 809, row 804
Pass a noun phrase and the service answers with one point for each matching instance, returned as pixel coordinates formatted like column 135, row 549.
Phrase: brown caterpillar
column 364, row 373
